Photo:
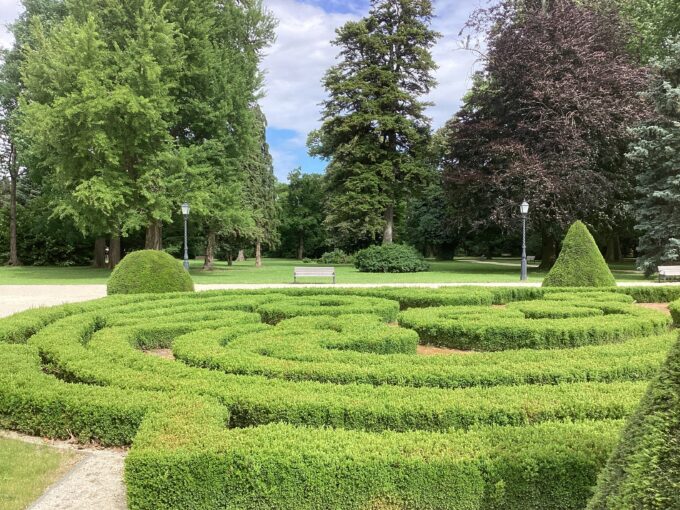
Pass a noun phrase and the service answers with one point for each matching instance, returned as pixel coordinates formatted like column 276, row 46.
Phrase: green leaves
column 375, row 131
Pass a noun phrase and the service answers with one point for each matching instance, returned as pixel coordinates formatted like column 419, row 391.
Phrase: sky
column 295, row 64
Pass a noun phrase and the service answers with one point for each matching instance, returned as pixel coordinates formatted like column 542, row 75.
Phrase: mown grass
column 26, row 470
column 502, row 270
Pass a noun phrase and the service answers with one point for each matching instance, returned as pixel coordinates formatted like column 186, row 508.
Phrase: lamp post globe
column 524, row 210
column 185, row 212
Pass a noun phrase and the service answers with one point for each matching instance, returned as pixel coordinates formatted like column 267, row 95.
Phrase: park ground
column 39, row 467
column 280, row 271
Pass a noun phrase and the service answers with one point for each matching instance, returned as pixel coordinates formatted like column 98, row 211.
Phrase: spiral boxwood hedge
column 149, row 272
column 330, row 411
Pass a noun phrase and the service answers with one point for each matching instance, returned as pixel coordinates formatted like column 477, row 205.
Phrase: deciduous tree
column 547, row 120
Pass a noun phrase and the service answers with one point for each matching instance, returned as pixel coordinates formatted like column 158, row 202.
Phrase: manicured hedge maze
column 318, row 399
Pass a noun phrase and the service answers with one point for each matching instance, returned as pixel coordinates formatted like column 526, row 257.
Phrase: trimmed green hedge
column 149, row 272
column 674, row 307
column 319, row 411
column 644, row 470
column 535, row 325
column 390, row 258
column 580, row 263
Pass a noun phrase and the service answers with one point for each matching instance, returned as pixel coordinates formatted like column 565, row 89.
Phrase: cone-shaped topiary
column 580, row 263
column 149, row 272
column 644, row 470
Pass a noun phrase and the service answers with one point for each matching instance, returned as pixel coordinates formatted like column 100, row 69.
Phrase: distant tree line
column 114, row 113
column 574, row 110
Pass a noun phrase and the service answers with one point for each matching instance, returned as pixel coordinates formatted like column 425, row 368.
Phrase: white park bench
column 666, row 272
column 313, row 272
column 531, row 258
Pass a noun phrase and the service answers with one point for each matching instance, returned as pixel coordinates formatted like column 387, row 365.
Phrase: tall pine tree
column 374, row 130
column 656, row 156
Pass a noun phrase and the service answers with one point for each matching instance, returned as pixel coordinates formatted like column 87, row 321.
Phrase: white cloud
column 9, row 11
column 296, row 62
column 302, row 53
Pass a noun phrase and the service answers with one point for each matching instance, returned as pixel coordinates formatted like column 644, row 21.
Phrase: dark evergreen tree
column 655, row 154
column 374, row 130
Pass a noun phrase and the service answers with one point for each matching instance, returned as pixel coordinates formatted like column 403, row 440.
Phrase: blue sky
column 296, row 62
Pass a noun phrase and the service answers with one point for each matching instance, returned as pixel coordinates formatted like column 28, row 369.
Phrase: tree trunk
column 388, row 234
column 154, row 236
column 209, row 263
column 613, row 253
column 301, row 246
column 99, row 260
column 14, row 177
column 230, row 259
column 548, row 251
column 114, row 251
column 258, row 254
column 241, row 257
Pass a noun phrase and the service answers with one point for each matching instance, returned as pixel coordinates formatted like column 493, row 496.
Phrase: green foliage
column 643, row 470
column 302, row 215
column 580, row 263
column 534, row 325
column 284, row 406
column 675, row 312
column 85, row 96
column 149, row 272
column 375, row 131
column 654, row 24
column 655, row 154
column 390, row 258
column 337, row 256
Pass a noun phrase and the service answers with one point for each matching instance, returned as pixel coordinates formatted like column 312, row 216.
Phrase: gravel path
column 95, row 482
column 15, row 298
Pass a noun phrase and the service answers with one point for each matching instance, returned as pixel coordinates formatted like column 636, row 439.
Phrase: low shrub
column 390, row 258
column 580, row 263
column 336, row 256
column 149, row 272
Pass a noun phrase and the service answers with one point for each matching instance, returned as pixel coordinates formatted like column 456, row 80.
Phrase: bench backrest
column 531, row 258
column 314, row 271
column 669, row 270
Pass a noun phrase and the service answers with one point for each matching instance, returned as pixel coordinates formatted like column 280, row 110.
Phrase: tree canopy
column 375, row 131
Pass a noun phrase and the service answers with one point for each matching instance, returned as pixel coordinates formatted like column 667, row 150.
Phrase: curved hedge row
column 320, row 411
column 569, row 322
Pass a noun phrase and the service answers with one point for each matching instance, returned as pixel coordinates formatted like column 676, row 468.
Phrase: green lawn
column 281, row 271
column 26, row 470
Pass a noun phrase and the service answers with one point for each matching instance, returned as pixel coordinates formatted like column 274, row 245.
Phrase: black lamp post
column 524, row 209
column 185, row 213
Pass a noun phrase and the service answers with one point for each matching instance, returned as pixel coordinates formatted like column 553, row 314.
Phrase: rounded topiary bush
column 149, row 272
column 580, row 263
column 390, row 258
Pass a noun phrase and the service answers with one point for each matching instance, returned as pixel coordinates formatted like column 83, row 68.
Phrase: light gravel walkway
column 15, row 298
column 95, row 482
